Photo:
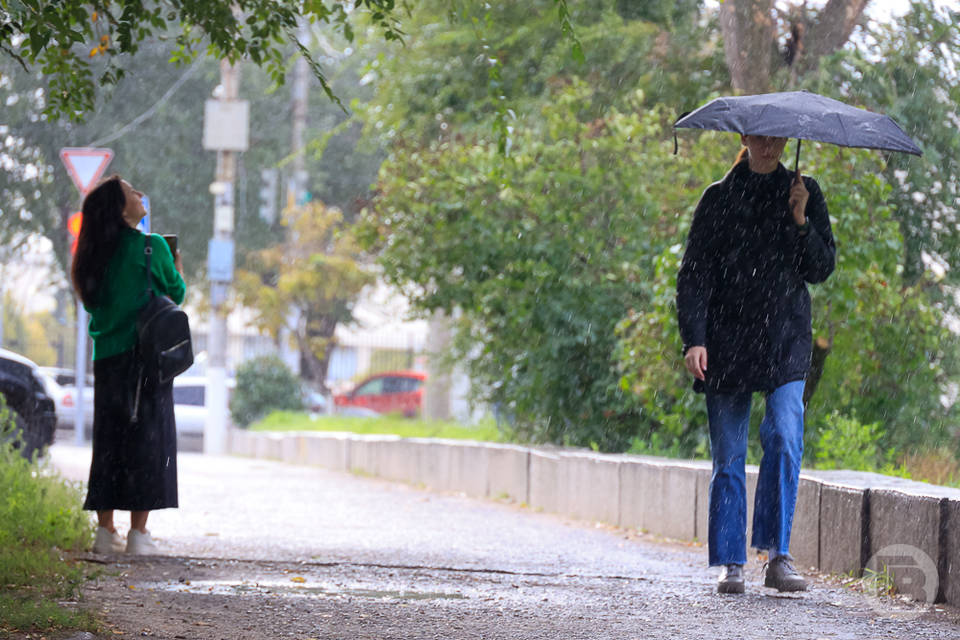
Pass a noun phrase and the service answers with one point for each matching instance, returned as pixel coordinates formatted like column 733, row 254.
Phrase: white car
column 189, row 403
column 61, row 385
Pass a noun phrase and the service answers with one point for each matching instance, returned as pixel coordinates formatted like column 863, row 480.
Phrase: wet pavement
column 266, row 550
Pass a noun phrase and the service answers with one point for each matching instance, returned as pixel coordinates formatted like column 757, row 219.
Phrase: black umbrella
column 802, row 115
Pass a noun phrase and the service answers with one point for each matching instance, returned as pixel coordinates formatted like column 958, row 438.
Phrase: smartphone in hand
column 171, row 239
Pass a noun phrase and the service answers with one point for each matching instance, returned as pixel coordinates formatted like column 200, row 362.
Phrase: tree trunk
column 821, row 349
column 749, row 39
column 829, row 31
column 313, row 367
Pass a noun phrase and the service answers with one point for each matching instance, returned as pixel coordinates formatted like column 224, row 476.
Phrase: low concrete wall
column 844, row 521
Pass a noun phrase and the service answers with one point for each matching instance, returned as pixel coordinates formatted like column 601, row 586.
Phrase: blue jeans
column 781, row 435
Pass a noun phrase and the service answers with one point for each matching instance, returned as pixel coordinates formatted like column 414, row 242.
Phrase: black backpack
column 163, row 333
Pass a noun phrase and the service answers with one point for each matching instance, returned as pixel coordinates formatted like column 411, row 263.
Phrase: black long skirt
column 134, row 465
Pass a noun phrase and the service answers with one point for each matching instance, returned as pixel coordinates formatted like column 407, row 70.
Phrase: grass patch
column 485, row 430
column 25, row 612
column 41, row 517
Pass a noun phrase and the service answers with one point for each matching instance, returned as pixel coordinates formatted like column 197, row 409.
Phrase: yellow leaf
column 298, row 579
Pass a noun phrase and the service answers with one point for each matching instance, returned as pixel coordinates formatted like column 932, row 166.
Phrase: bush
column 844, row 443
column 40, row 515
column 264, row 384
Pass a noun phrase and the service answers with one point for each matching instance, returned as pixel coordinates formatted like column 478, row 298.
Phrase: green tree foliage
column 665, row 12
column 157, row 153
column 543, row 253
column 81, row 45
column 306, row 284
column 264, row 384
column 498, row 62
column 154, row 126
column 26, row 334
column 892, row 355
column 555, row 242
column 846, row 443
column 908, row 69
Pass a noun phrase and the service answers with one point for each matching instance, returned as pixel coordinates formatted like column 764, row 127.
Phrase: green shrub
column 843, row 442
column 264, row 384
column 40, row 516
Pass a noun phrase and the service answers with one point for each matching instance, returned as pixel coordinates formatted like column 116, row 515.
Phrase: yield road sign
column 85, row 165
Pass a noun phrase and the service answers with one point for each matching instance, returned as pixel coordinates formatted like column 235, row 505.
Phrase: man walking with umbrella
column 757, row 238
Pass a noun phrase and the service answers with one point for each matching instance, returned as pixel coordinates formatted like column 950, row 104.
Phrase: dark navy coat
column 742, row 285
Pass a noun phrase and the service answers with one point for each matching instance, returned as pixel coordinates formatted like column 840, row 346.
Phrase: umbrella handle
column 676, row 147
column 796, row 168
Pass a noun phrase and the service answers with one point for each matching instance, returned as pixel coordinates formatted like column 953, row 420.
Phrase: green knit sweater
column 123, row 292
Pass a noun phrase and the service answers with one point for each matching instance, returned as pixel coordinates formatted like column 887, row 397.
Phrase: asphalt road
column 267, row 550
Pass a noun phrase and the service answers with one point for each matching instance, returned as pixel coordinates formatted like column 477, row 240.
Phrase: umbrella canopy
column 802, row 115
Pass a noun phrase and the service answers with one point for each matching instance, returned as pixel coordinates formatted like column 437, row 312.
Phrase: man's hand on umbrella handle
column 696, row 361
column 798, row 200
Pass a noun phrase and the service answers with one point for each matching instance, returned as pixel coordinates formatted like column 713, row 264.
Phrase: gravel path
column 266, row 550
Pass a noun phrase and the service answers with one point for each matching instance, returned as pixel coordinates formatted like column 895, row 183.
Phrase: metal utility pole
column 225, row 130
column 298, row 98
column 297, row 181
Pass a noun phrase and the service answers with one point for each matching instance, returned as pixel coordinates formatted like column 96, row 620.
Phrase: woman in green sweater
column 134, row 465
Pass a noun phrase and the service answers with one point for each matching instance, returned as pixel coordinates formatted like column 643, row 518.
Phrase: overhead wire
column 151, row 110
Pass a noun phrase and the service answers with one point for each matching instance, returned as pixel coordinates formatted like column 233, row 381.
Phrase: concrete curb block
column 949, row 561
column 841, row 520
column 907, row 521
column 843, row 513
column 331, row 452
column 508, row 472
column 592, row 486
column 547, row 486
column 805, row 536
column 651, row 491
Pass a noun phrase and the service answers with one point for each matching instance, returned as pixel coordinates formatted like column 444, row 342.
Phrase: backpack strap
column 148, row 252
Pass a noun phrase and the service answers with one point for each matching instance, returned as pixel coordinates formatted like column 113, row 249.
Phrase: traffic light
column 268, row 194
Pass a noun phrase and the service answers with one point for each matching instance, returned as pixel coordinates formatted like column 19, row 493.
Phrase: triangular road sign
column 85, row 165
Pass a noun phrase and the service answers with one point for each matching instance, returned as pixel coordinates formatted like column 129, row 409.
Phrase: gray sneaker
column 731, row 579
column 782, row 576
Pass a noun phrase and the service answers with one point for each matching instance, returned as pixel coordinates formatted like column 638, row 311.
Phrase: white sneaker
column 141, row 544
column 107, row 541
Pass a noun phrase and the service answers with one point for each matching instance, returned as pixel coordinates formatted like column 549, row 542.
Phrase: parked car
column 392, row 392
column 62, row 387
column 190, row 405
column 30, row 405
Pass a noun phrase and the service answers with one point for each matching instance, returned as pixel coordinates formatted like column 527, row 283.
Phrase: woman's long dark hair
column 99, row 236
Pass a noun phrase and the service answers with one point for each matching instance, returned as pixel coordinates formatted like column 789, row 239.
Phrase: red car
column 392, row 392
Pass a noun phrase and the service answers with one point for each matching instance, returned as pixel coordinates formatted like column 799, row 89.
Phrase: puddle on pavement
column 225, row 588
